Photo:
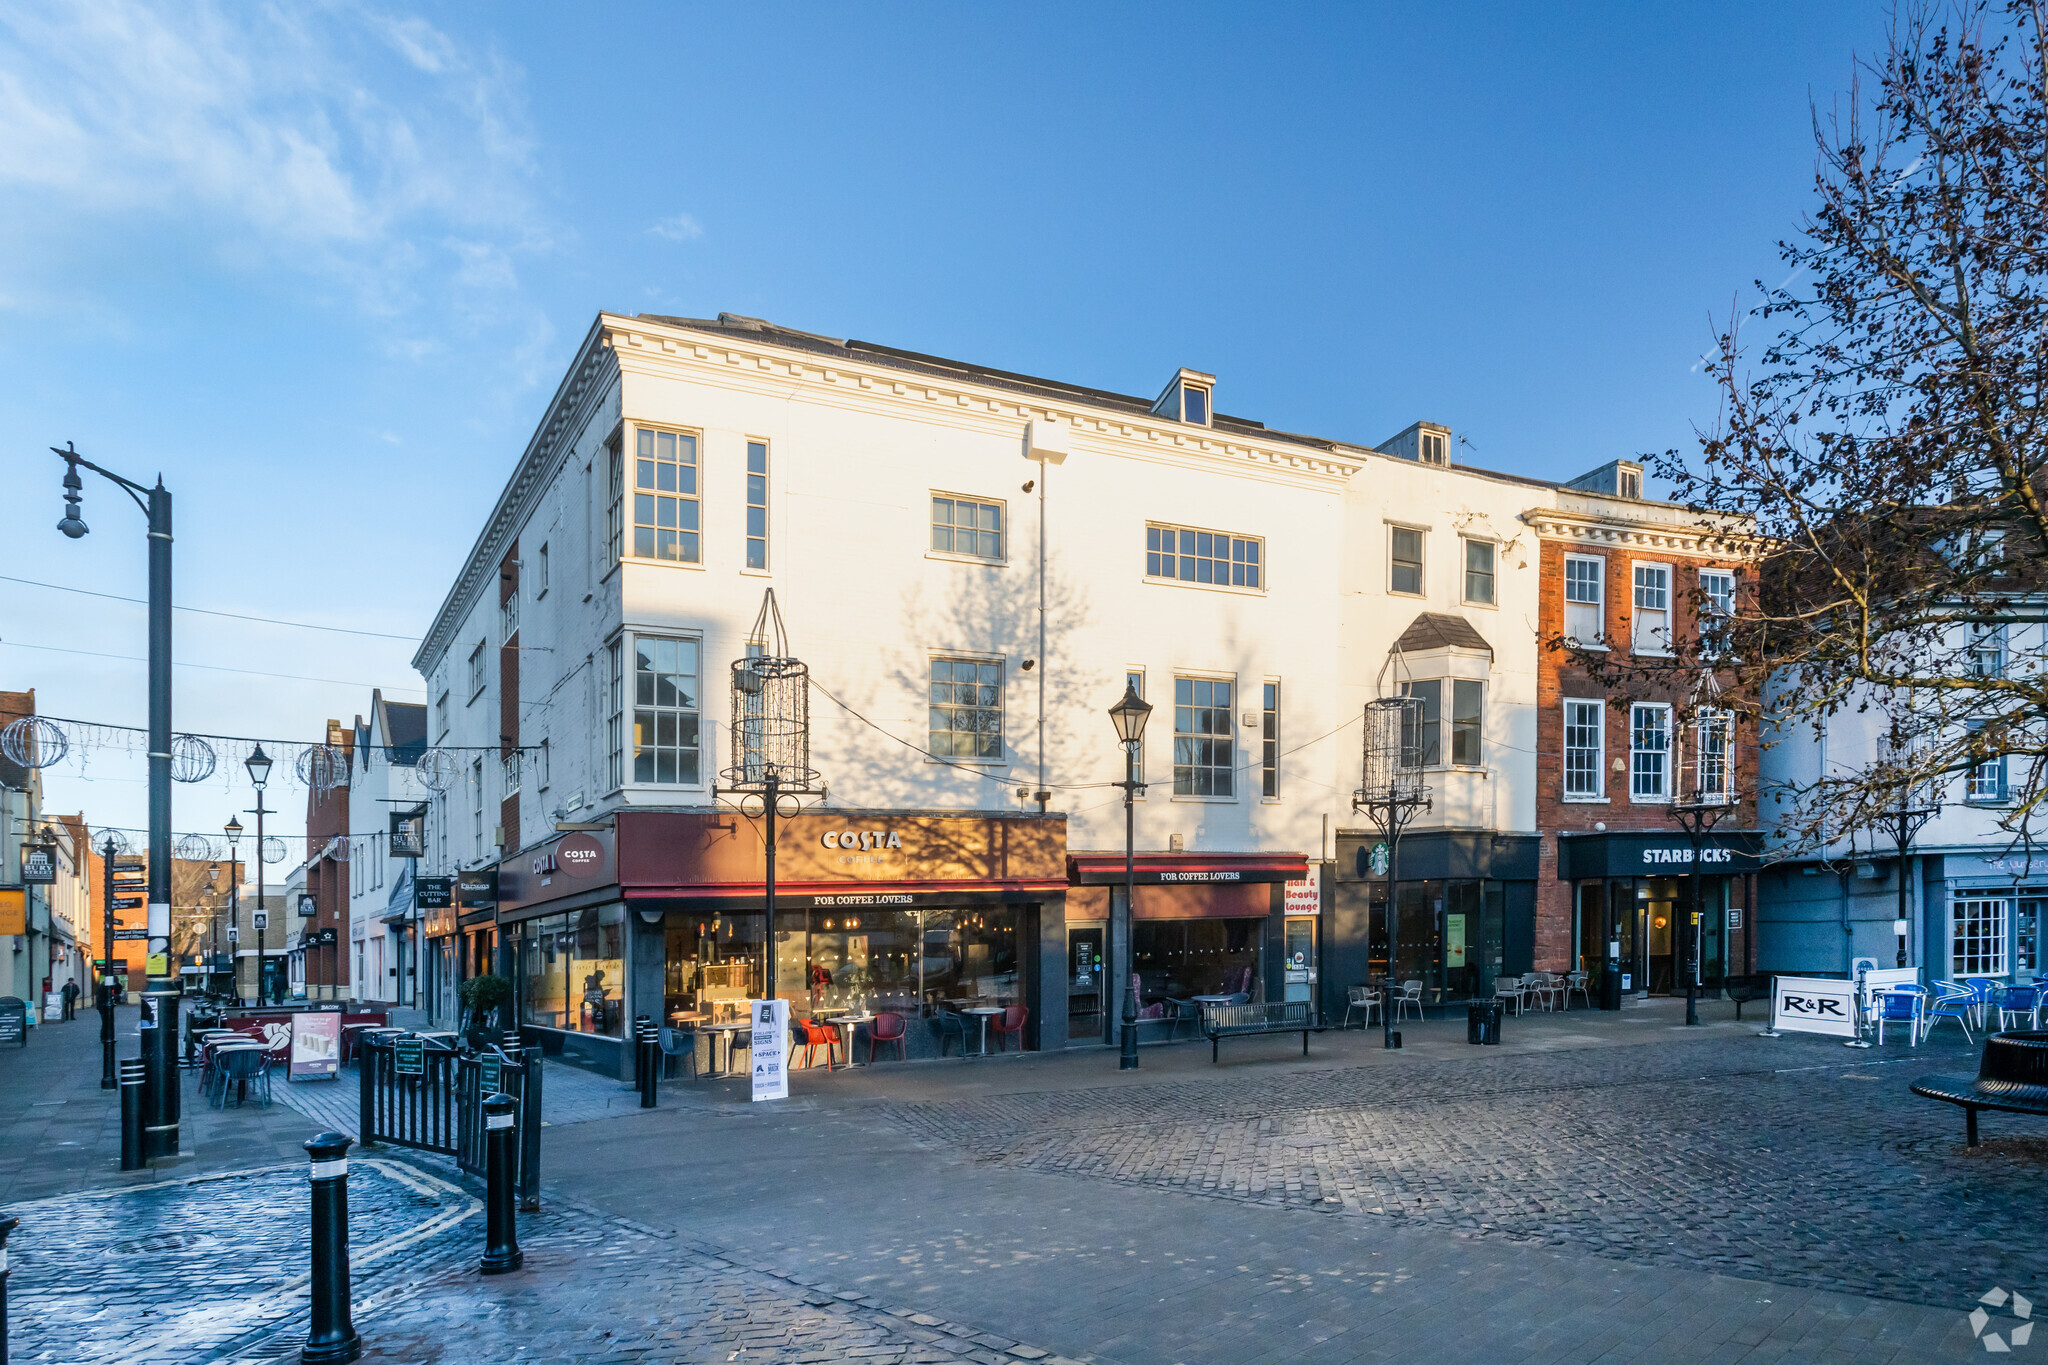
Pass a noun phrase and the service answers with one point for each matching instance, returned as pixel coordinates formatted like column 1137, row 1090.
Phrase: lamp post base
column 1128, row 1060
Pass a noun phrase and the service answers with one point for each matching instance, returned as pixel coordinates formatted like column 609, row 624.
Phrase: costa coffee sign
column 579, row 855
column 861, row 840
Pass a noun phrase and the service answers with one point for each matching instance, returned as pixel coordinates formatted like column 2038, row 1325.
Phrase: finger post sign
column 1812, row 1004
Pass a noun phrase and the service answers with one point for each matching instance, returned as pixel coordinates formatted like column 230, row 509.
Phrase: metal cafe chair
column 1951, row 1001
column 1365, row 998
column 1900, row 1005
column 1410, row 996
column 1508, row 990
column 1576, row 982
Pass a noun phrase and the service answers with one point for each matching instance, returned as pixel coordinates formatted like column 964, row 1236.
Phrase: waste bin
column 1482, row 1022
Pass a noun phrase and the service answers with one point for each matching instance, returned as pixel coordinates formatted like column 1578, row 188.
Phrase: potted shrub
column 482, row 997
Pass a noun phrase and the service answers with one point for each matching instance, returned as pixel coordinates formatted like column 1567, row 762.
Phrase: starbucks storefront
column 1630, row 889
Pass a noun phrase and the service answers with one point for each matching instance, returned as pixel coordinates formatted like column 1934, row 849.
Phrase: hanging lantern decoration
column 194, row 848
column 34, row 742
column 438, row 770
column 274, row 850
column 771, row 712
column 111, row 839
column 192, row 759
column 337, row 849
column 322, row 767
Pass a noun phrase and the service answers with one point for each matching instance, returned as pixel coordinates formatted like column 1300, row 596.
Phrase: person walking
column 70, row 999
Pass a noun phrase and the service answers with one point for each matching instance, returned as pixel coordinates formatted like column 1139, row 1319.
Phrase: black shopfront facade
column 1465, row 911
column 1630, row 888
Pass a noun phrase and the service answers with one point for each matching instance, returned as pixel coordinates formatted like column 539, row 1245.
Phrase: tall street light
column 233, row 829
column 1129, row 716
column 160, row 1087
column 258, row 765
column 107, row 1079
column 1903, row 822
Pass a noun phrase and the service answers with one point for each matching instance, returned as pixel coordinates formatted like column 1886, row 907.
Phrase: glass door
column 1300, row 966
column 1085, row 1022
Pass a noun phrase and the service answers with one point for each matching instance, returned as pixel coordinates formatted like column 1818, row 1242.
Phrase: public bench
column 1245, row 1021
column 2012, row 1076
column 1743, row 989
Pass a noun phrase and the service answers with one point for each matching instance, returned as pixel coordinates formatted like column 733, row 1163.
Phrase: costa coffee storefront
column 918, row 915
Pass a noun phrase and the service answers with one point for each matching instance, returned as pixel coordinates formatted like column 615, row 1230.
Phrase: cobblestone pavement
column 1791, row 1162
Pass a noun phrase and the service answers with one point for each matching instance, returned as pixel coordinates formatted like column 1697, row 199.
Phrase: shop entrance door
column 1084, row 984
column 1300, row 966
column 1659, row 899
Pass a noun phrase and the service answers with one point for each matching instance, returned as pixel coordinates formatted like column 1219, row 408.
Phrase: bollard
column 529, row 1133
column 647, row 1048
column 7, row 1225
column 333, row 1337
column 501, row 1237
column 132, row 1158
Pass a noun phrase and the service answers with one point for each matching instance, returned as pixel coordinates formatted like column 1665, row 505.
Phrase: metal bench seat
column 1243, row 1021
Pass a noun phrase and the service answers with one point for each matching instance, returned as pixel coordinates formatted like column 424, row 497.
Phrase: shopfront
column 925, row 917
column 1990, row 921
column 1463, row 911
column 1201, row 924
column 1632, row 889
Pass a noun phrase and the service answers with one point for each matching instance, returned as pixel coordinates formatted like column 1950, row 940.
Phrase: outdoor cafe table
column 849, row 1022
column 984, row 1011
column 730, row 1032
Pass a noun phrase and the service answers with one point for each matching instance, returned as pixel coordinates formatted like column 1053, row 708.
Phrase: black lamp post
column 161, row 1091
column 1903, row 822
column 258, row 764
column 107, row 1080
column 233, row 829
column 1129, row 716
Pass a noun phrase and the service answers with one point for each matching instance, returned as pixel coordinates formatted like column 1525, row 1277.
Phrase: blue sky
column 321, row 264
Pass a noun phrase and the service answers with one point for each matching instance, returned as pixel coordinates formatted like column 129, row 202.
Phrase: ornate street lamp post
column 258, row 764
column 1391, row 794
column 233, row 829
column 1129, row 716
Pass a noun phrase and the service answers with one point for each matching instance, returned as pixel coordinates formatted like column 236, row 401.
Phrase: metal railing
column 439, row 1108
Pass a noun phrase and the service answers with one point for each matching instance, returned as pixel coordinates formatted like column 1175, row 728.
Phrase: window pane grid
column 1479, row 572
column 757, row 504
column 1468, row 705
column 1405, row 573
column 1211, row 557
column 1977, row 937
column 665, row 703
column 1203, row 749
column 1649, row 750
column 962, row 526
column 1422, row 724
column 1582, row 581
column 1582, row 748
column 1713, row 735
column 966, row 708
column 665, row 508
column 1269, row 742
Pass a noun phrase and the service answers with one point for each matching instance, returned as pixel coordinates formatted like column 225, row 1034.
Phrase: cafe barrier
column 1812, row 1004
column 419, row 1095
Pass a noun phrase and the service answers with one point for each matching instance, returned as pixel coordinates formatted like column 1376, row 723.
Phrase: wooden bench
column 1244, row 1021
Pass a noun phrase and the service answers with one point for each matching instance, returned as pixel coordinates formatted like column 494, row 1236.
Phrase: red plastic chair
column 811, row 1037
column 1011, row 1024
column 886, row 1028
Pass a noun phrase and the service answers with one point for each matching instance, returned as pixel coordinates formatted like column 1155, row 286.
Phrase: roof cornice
column 1583, row 528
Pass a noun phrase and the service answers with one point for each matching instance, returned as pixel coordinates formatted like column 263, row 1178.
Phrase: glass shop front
column 1462, row 913
column 1632, row 889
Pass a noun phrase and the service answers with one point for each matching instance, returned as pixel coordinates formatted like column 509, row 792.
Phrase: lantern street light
column 258, row 764
column 1129, row 716
column 233, row 829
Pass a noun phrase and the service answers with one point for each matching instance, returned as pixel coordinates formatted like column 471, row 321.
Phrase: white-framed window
column 1194, row 404
column 615, row 504
column 543, row 760
column 1134, row 762
column 441, row 716
column 513, row 764
column 1468, row 712
column 665, row 498
column 1713, row 740
column 1269, row 740
column 1987, row 651
column 615, row 715
column 1422, row 725
column 1585, row 750
column 1978, row 926
column 1984, row 784
column 966, row 709
column 757, row 504
column 1404, row 560
column 667, row 748
column 1217, row 558
column 476, row 670
column 1649, row 752
column 1717, row 610
column 1434, row 449
column 1479, row 561
column 967, row 526
column 540, row 573
column 1651, row 632
column 1585, row 596
column 508, row 611
column 1204, row 744
column 476, row 814
column 1631, row 483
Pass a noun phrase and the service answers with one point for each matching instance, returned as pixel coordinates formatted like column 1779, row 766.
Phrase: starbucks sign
column 1378, row 859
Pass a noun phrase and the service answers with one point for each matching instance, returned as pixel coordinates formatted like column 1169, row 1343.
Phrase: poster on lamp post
column 770, row 1048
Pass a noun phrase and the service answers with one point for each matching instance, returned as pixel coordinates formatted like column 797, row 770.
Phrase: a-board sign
column 316, row 1046
column 491, row 1076
column 409, row 1057
column 13, row 1021
column 770, row 1048
column 1812, row 1004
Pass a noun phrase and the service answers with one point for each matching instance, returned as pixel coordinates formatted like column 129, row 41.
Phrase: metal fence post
column 333, row 1338
column 132, row 1158
column 501, row 1235
column 366, row 1098
column 7, row 1225
column 529, row 1133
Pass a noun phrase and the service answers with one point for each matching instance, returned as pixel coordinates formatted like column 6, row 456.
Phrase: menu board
column 770, row 1048
column 316, row 1046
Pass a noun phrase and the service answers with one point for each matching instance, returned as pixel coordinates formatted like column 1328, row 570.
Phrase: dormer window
column 1433, row 448
column 1186, row 398
column 1631, row 482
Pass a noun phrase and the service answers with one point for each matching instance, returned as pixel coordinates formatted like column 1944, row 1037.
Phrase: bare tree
column 1884, row 450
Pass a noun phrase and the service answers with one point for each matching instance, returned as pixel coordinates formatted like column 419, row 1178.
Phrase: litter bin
column 1482, row 1022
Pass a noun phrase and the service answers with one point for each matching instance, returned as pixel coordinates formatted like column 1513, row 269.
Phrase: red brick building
column 324, row 936
column 1633, row 576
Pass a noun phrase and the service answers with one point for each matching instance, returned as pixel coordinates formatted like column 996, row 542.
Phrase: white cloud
column 681, row 228
column 328, row 139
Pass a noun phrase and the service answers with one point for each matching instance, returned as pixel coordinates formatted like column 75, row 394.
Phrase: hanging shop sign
column 408, row 837
column 477, row 888
column 580, row 856
column 13, row 912
column 38, row 864
column 434, row 893
column 307, row 909
column 1811, row 1004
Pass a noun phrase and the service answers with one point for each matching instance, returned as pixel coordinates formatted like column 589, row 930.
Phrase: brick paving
column 1790, row 1161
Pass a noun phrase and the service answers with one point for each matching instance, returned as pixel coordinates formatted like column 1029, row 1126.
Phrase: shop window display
column 572, row 971
column 1179, row 958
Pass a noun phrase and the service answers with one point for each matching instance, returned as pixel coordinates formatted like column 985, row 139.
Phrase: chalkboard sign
column 409, row 1057
column 13, row 1021
column 493, row 1075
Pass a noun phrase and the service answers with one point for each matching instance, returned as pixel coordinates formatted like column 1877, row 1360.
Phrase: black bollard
column 106, row 994
column 132, row 1158
column 529, row 1133
column 646, row 1048
column 501, row 1236
column 333, row 1337
column 7, row 1225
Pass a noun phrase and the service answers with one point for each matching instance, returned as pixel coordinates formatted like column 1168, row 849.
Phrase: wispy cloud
column 368, row 150
column 681, row 228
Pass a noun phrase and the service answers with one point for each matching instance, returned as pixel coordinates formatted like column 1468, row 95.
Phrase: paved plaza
column 1602, row 1187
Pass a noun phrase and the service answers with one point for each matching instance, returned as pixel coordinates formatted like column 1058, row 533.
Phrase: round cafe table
column 850, row 1022
column 984, row 1011
column 729, row 1034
